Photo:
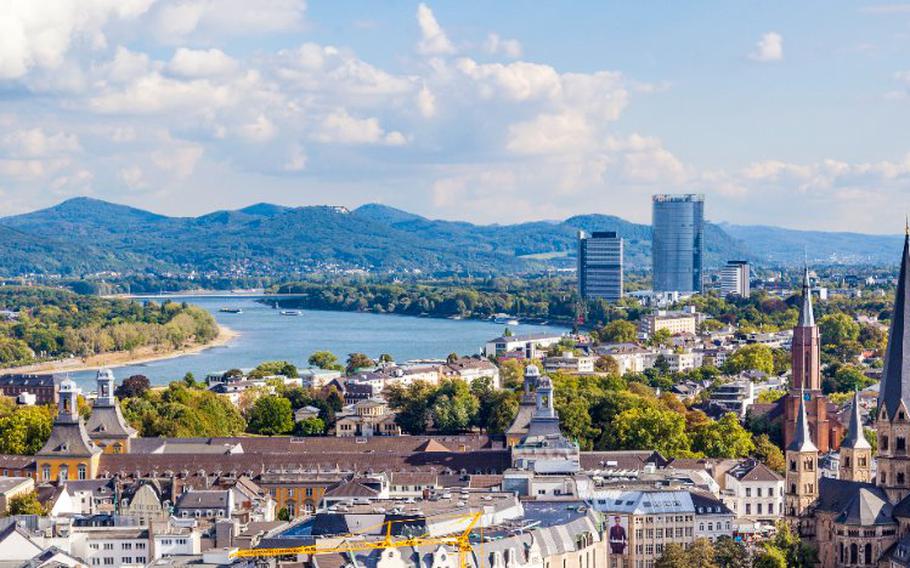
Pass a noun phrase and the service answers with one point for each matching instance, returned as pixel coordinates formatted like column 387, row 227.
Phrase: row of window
column 64, row 472
column 109, row 561
column 123, row 546
column 758, row 491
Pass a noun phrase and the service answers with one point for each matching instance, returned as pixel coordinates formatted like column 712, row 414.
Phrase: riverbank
column 123, row 358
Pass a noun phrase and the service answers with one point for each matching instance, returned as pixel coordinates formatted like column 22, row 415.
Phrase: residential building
column 734, row 279
column 754, row 492
column 673, row 322
column 112, row 546
column 677, row 242
column 11, row 487
column 370, row 417
column 523, row 346
column 205, row 504
column 600, row 265
column 569, row 362
column 629, row 357
column 43, row 387
column 736, row 396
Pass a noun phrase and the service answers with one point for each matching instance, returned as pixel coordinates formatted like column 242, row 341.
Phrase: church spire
column 855, row 438
column 806, row 316
column 895, row 386
column 802, row 437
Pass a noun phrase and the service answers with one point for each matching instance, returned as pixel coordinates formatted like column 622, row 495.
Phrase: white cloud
column 496, row 45
column 297, row 160
column 177, row 20
column 339, row 127
column 433, row 39
column 426, row 102
column 550, row 134
column 132, row 176
column 769, row 48
column 201, row 63
column 178, row 159
column 36, row 143
column 259, row 130
column 40, row 34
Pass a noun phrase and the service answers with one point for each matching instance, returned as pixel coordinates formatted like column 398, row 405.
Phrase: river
column 265, row 335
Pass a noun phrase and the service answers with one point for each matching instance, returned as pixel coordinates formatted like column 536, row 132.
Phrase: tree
column 729, row 553
column 674, row 556
column 699, row 555
column 272, row 368
column 310, row 427
column 769, row 453
column 271, row 416
column 575, row 419
column 837, row 328
column 283, row 514
column 511, row 373
column 649, row 428
column 412, row 405
column 606, row 364
column 386, row 358
column 26, row 504
column 661, row 338
column 131, row 387
column 770, row 557
column 619, row 331
column 454, row 407
column 325, row 360
column 26, row 430
column 847, row 378
column 724, row 438
column 755, row 357
column 770, row 395
column 358, row 361
column 496, row 408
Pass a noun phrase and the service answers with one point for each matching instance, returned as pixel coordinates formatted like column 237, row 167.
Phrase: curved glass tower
column 677, row 242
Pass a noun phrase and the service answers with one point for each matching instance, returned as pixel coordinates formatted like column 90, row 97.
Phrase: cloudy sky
column 795, row 114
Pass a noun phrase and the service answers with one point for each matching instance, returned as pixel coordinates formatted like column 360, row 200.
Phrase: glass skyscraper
column 677, row 242
column 600, row 265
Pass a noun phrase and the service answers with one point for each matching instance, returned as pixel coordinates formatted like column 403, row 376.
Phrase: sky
column 794, row 114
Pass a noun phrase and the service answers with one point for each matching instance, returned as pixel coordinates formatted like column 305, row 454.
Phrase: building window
column 46, row 472
column 82, row 471
column 901, row 445
column 108, row 546
column 884, row 442
column 309, row 491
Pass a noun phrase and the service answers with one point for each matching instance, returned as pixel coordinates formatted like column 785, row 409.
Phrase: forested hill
column 84, row 235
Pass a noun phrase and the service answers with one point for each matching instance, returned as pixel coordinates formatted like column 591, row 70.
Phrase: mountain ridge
column 84, row 235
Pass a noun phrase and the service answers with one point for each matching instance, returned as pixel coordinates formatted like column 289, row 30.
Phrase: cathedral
column 856, row 520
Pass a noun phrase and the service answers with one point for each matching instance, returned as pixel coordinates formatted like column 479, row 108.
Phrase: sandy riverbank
column 122, row 358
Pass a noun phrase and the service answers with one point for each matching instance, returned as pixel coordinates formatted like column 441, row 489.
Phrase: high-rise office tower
column 734, row 279
column 677, row 242
column 600, row 265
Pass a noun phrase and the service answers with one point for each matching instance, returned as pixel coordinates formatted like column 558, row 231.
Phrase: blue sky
column 794, row 114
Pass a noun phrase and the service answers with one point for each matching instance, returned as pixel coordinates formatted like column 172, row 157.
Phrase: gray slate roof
column 855, row 438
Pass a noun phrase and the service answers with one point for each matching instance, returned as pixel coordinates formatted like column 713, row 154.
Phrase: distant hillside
column 788, row 246
column 88, row 235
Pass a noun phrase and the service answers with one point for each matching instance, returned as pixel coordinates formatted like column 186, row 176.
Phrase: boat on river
column 230, row 310
column 291, row 313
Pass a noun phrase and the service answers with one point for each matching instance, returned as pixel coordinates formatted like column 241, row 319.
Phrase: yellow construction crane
column 461, row 542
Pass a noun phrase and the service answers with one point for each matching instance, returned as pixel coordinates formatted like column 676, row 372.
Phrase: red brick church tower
column 805, row 382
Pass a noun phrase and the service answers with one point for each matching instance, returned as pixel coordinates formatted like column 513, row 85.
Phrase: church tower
column 106, row 426
column 68, row 453
column 802, row 468
column 804, row 354
column 805, row 381
column 855, row 450
column 892, row 422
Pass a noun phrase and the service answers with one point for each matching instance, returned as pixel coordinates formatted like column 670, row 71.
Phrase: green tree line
column 50, row 323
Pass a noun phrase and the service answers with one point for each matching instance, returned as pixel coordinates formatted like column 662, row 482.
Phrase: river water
column 265, row 335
